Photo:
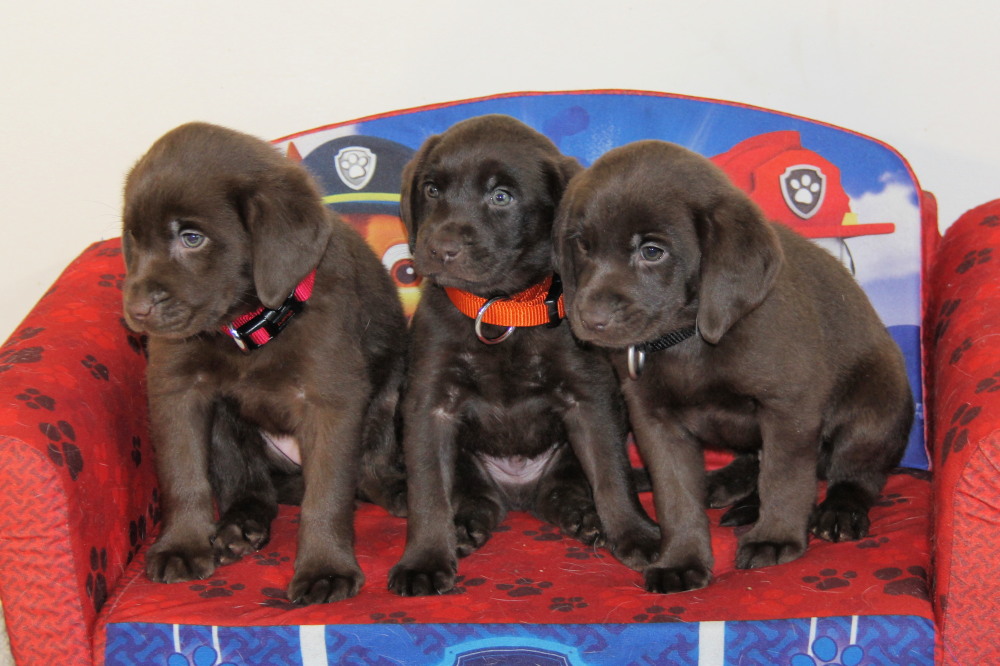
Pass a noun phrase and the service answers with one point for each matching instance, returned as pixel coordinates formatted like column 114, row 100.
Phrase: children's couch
column 80, row 503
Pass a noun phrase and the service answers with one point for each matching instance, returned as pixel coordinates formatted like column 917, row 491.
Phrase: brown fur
column 330, row 379
column 790, row 360
column 523, row 424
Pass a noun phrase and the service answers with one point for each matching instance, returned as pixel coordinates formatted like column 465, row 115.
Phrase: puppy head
column 653, row 238
column 215, row 223
column 478, row 203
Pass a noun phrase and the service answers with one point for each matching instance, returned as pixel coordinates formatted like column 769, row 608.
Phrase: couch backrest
column 852, row 194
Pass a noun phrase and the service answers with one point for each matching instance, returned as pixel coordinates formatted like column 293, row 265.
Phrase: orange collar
column 537, row 305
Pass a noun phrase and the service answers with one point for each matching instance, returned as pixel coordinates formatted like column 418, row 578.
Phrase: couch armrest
column 77, row 485
column 963, row 328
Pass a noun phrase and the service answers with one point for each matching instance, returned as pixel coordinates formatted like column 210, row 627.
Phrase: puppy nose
column 596, row 320
column 445, row 250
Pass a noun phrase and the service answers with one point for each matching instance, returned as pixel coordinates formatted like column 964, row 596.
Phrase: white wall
column 85, row 87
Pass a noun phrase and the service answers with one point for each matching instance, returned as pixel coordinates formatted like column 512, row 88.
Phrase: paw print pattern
column 203, row 655
column 805, row 189
column 891, row 499
column 873, row 543
column 216, row 588
column 155, row 509
column 567, row 604
column 34, row 399
column 960, row 350
column 136, row 450
column 989, row 385
column 825, row 651
column 397, row 617
column 136, row 537
column 462, row 584
column 583, row 553
column 958, row 435
column 545, row 532
column 10, row 357
column 97, row 583
column 136, row 342
column 660, row 614
column 990, row 221
column 912, row 582
column 974, row 258
column 111, row 280
column 944, row 317
column 98, row 370
column 524, row 587
column 62, row 449
column 273, row 559
column 109, row 252
column 828, row 579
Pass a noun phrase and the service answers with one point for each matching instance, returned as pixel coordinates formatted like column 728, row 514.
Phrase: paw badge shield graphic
column 803, row 187
column 355, row 166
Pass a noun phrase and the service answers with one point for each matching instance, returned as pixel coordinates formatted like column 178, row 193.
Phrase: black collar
column 637, row 353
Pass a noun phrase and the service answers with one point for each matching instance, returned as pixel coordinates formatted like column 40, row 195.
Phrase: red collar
column 537, row 305
column 257, row 328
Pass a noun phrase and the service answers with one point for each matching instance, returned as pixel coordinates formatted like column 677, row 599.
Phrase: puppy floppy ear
column 740, row 259
column 289, row 230
column 562, row 255
column 410, row 195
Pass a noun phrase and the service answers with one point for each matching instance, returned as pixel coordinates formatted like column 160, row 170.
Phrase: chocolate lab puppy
column 727, row 330
column 275, row 336
column 502, row 410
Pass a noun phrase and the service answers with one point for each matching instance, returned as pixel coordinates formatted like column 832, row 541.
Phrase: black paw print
column 155, row 508
column 582, row 553
column 524, row 587
column 990, row 221
column 660, row 614
column 873, row 542
column 98, row 370
column 136, row 450
column 111, row 280
column 136, row 342
column 912, row 582
column 958, row 436
column 216, row 588
column 136, row 537
column 989, row 385
column 891, row 499
column 944, row 317
column 62, row 449
column 828, row 579
column 974, row 257
column 25, row 334
column 11, row 357
column 97, row 583
column 275, row 598
column 273, row 559
column 462, row 584
column 109, row 252
column 397, row 617
column 567, row 604
column 33, row 399
column 545, row 532
column 960, row 350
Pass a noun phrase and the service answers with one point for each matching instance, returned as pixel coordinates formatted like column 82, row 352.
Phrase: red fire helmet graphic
column 797, row 187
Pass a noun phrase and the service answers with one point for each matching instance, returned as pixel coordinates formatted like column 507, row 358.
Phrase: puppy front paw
column 176, row 563
column 475, row 520
column 756, row 554
column 667, row 579
column 839, row 523
column 582, row 523
column 233, row 540
column 434, row 576
column 324, row 585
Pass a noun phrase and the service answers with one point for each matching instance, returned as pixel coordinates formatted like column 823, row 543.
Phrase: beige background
column 85, row 87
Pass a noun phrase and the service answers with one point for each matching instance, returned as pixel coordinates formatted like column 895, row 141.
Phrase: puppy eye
column 651, row 253
column 431, row 191
column 500, row 197
column 191, row 239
